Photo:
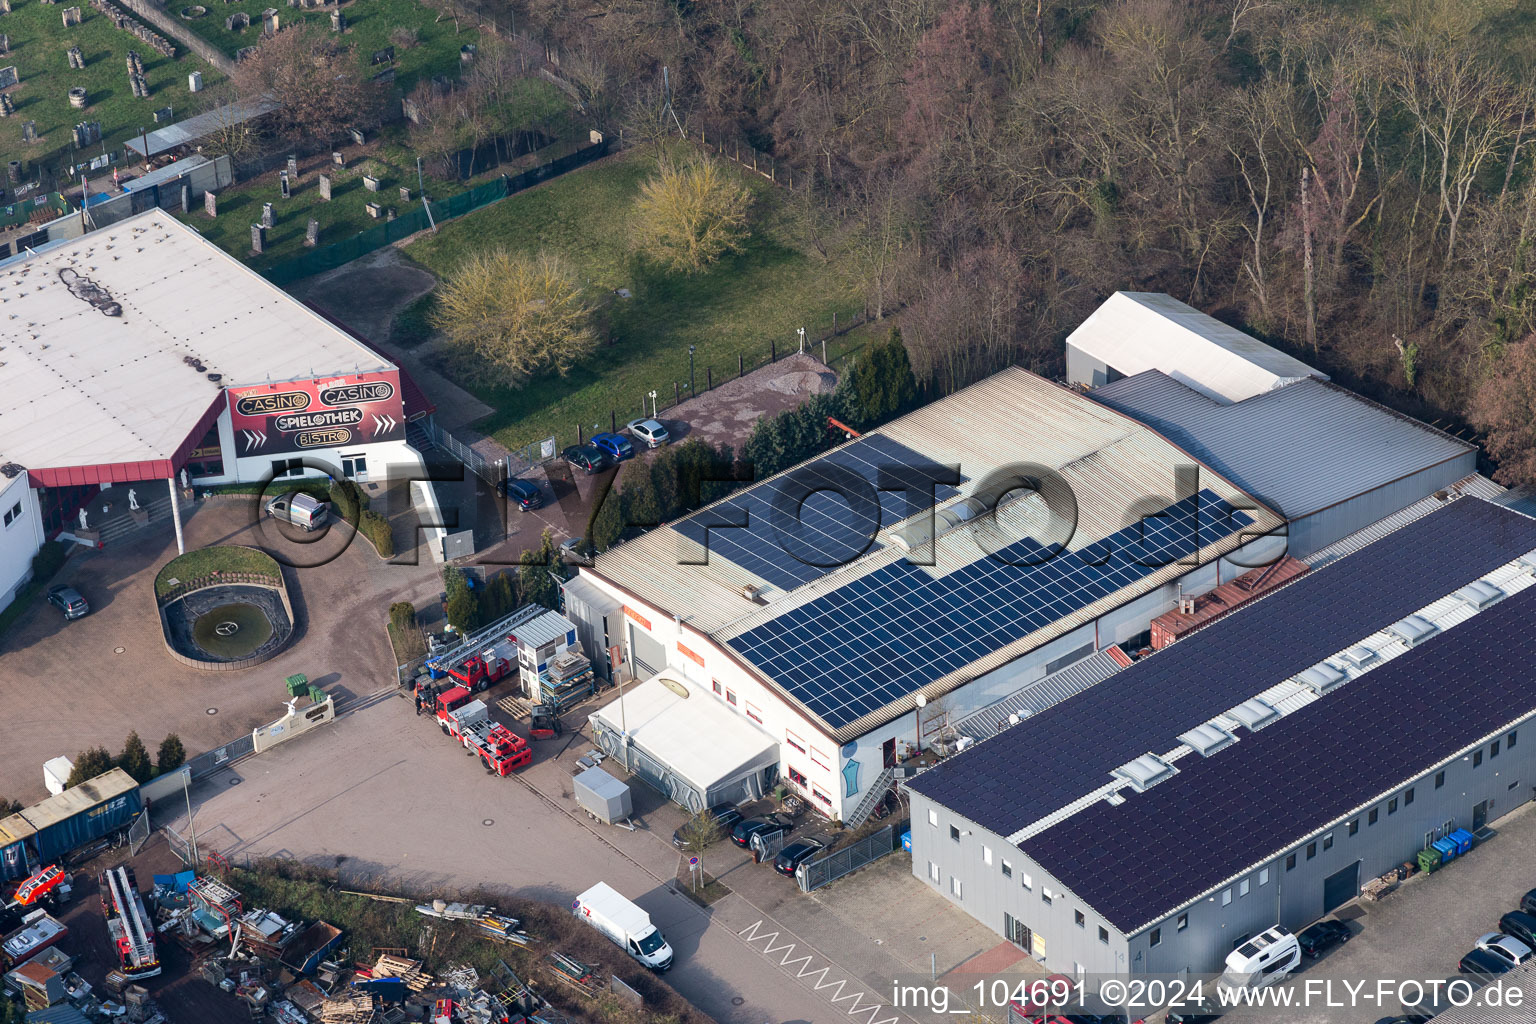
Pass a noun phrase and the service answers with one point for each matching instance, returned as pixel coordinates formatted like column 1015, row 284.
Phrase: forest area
column 1354, row 182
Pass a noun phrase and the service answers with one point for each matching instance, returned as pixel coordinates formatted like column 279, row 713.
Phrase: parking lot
column 1421, row 930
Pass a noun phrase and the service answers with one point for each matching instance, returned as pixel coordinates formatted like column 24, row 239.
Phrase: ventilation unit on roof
column 917, row 534
column 1144, row 772
column 1359, row 655
column 1479, row 594
column 1206, row 739
column 1413, row 630
column 1321, row 678
column 1529, row 561
column 1114, row 799
column 1255, row 713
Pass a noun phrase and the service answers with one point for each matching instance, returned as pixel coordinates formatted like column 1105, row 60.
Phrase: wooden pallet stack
column 348, row 1008
column 408, row 971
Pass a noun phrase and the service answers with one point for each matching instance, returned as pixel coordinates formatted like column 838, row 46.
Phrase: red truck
column 469, row 721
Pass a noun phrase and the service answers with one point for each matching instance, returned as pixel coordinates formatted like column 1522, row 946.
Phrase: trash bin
column 906, row 840
column 1447, row 848
column 1463, row 840
column 1429, row 860
column 298, row 685
column 318, row 696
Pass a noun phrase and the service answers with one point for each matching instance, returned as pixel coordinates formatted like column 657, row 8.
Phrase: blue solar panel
column 898, row 628
column 791, row 530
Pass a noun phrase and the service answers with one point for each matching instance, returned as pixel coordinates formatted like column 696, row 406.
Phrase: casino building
column 143, row 355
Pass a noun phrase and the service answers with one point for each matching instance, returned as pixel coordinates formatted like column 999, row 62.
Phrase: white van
column 300, row 509
column 625, row 924
column 1263, row 960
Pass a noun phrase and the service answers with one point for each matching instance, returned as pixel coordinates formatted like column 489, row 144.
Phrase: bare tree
column 321, row 85
column 1257, row 145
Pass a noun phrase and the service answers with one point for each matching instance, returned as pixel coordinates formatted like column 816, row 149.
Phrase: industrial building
column 824, row 636
column 142, row 354
column 1132, row 332
column 1161, row 816
column 1327, row 459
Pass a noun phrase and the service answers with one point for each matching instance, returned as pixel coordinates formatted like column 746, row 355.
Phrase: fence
column 210, row 175
column 333, row 256
column 472, row 459
column 211, row 761
column 750, row 159
column 817, row 873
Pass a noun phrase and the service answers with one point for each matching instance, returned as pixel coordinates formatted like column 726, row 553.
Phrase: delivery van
column 300, row 509
column 625, row 924
column 1263, row 960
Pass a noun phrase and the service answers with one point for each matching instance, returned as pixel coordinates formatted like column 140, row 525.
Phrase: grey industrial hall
column 1260, row 770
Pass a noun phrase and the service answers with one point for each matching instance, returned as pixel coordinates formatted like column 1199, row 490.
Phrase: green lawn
column 346, row 213
column 369, row 24
column 732, row 310
column 228, row 558
column 39, row 41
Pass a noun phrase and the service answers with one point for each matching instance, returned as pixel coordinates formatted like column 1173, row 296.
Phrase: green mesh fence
column 332, row 256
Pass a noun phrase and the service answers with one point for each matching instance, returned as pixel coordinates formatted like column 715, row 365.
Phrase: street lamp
column 653, row 405
column 690, row 368
column 801, row 331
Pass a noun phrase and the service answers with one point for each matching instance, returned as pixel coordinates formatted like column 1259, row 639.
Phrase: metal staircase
column 872, row 798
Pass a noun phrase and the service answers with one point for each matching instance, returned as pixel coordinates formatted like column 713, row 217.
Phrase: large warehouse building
column 817, row 641
column 141, row 352
column 1159, row 818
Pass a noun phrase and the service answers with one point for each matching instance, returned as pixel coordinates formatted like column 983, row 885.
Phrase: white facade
column 21, row 534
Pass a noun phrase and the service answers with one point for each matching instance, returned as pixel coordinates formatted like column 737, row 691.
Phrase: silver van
column 302, row 510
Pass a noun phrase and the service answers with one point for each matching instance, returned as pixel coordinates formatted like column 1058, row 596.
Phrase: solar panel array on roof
column 787, row 532
column 1222, row 814
column 1067, row 751
column 886, row 634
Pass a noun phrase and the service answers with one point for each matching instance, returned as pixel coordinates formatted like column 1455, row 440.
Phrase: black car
column 1480, row 961
column 1321, row 937
column 1521, row 925
column 794, row 854
column 522, row 493
column 69, row 601
column 586, row 457
column 726, row 815
column 1528, row 902
column 1193, row 1015
column 743, row 831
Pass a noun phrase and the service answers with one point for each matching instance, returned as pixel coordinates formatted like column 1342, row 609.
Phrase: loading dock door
column 647, row 653
column 1341, row 887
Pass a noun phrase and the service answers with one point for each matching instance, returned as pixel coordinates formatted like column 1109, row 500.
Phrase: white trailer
column 625, row 924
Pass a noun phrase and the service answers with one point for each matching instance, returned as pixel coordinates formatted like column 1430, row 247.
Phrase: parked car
column 525, row 494
column 574, row 551
column 302, row 510
column 1528, row 902
column 586, row 457
column 725, row 814
column 1520, row 925
column 69, row 601
column 1194, row 1012
column 743, row 831
column 616, row 447
column 1481, row 961
column 649, row 433
column 793, row 855
column 1321, row 937
column 1501, row 945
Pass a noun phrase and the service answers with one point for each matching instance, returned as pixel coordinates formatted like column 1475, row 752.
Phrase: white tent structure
column 685, row 745
column 1137, row 331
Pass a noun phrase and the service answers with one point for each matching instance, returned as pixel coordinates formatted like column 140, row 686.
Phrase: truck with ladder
column 469, row 721
column 130, row 927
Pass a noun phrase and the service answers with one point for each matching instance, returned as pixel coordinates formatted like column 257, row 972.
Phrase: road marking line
column 753, row 932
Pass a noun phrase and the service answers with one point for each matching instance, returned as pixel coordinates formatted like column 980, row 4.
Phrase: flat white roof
column 116, row 343
column 1139, row 331
column 696, row 736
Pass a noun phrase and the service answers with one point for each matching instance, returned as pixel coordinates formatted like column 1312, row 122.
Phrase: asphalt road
column 383, row 795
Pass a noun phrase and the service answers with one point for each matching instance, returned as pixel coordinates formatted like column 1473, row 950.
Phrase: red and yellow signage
column 326, row 412
column 631, row 613
column 697, row 659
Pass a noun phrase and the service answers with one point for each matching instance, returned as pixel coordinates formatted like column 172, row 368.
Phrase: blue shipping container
column 44, row 833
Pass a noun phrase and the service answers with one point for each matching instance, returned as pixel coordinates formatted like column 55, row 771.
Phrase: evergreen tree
column 135, row 759
column 605, row 524
column 533, row 574
column 641, row 505
column 172, row 754
column 880, row 384
column 664, row 474
column 89, row 764
column 500, row 596
column 463, row 605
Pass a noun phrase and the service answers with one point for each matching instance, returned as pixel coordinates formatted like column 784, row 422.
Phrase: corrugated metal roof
column 67, row 804
column 1137, row 331
column 1113, row 464
column 1042, row 693
column 184, row 133
column 544, row 629
column 1299, row 448
column 1510, row 1011
column 1476, row 485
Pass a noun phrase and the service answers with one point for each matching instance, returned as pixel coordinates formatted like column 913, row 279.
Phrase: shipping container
column 45, row 832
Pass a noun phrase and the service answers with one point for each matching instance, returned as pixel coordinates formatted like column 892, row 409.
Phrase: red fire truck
column 132, row 930
column 469, row 721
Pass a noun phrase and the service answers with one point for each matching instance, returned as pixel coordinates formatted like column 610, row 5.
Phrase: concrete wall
column 296, row 722
column 1216, row 922
column 19, row 540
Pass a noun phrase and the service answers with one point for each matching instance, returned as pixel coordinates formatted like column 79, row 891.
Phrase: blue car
column 618, row 447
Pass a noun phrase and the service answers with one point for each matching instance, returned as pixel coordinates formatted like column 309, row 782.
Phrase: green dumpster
column 1429, row 860
column 318, row 696
column 298, row 684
